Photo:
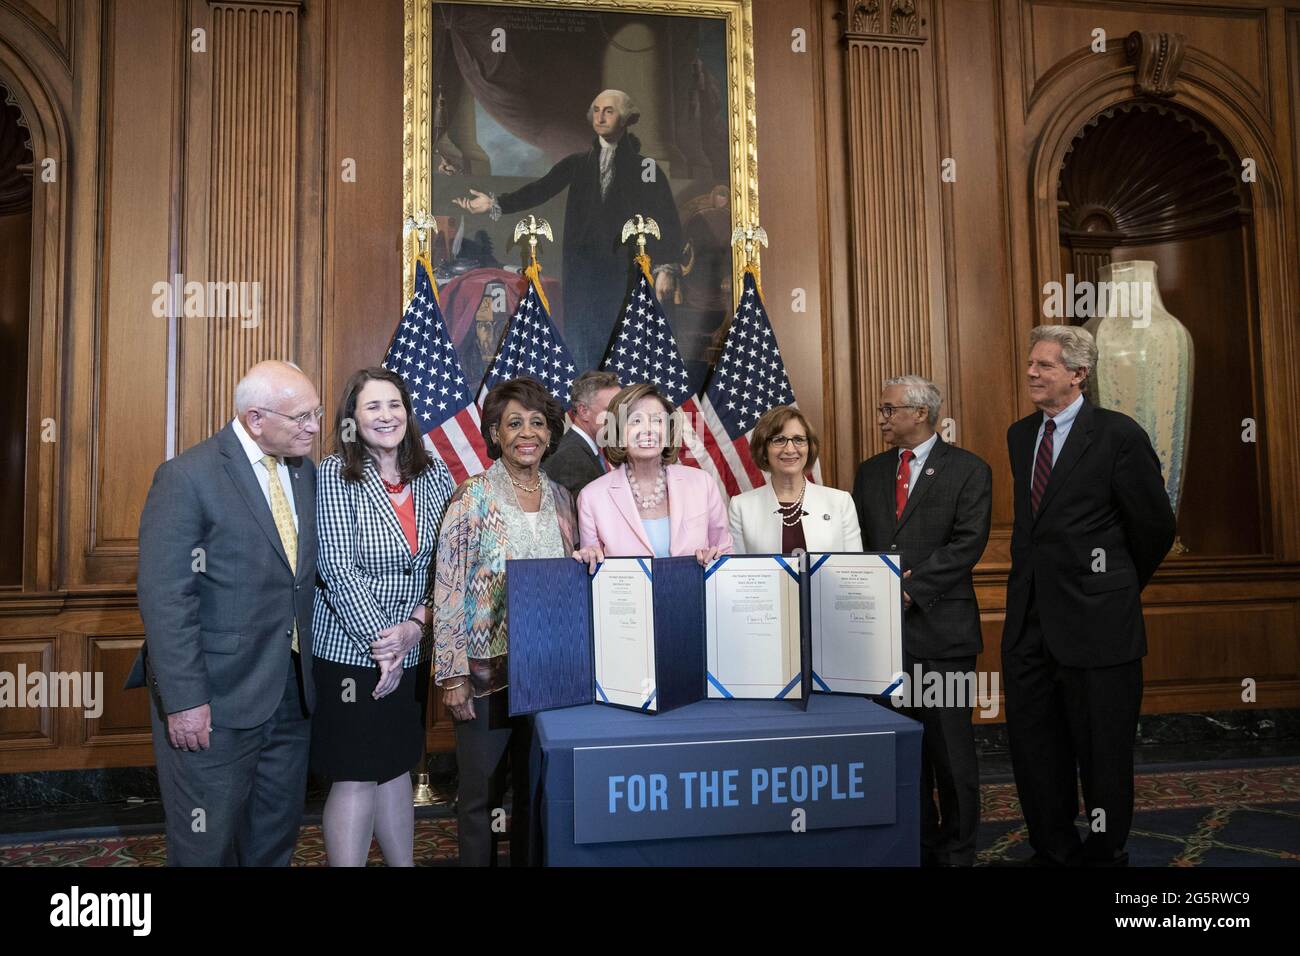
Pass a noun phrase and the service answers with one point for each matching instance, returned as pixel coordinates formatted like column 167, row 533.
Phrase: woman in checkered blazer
column 380, row 499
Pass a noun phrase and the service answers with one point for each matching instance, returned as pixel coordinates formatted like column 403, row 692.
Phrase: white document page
column 623, row 620
column 857, row 623
column 752, row 609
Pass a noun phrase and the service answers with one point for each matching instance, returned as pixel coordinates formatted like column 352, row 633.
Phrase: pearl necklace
column 795, row 508
column 659, row 494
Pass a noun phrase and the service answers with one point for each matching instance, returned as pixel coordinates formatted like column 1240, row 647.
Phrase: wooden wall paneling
column 840, row 394
column 983, row 389
column 125, row 713
column 23, row 727
column 1279, row 306
column 897, row 294
column 308, row 176
column 190, row 346
column 362, row 227
column 1020, row 192
column 129, row 402
column 786, row 87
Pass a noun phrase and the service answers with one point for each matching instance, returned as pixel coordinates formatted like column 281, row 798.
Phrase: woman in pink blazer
column 648, row 505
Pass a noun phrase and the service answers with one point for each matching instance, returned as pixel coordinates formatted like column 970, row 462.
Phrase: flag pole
column 421, row 224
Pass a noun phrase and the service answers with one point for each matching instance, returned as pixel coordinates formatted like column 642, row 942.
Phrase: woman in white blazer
column 790, row 512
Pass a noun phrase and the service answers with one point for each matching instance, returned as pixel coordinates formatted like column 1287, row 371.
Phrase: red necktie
column 1042, row 466
column 900, row 484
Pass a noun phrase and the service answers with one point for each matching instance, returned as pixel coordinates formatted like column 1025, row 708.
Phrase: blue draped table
column 558, row 732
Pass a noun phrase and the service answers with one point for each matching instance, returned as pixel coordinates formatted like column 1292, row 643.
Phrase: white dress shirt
column 1064, row 419
column 606, row 164
column 591, row 443
column 255, row 456
column 921, row 452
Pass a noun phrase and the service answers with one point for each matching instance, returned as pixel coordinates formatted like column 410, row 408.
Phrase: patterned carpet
column 1239, row 817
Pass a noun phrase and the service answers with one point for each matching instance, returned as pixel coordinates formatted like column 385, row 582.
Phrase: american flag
column 748, row 380
column 644, row 350
column 423, row 355
column 532, row 348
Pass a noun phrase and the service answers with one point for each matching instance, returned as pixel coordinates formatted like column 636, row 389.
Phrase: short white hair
column 256, row 389
column 1078, row 347
column 920, row 392
column 627, row 110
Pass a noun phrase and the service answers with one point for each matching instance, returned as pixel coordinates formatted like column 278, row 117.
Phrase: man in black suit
column 226, row 585
column 928, row 502
column 578, row 459
column 1092, row 523
column 607, row 185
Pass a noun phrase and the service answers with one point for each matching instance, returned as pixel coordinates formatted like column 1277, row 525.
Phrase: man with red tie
column 579, row 459
column 927, row 503
column 1092, row 523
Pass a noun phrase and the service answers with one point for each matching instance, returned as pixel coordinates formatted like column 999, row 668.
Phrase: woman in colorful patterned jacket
column 510, row 511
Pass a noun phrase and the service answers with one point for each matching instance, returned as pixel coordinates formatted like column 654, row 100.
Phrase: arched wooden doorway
column 1147, row 179
column 16, row 168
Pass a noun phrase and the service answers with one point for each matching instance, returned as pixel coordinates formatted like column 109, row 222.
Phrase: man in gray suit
column 227, row 566
column 929, row 503
column 578, row 460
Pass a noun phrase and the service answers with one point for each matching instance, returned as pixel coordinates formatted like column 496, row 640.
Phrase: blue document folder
column 552, row 654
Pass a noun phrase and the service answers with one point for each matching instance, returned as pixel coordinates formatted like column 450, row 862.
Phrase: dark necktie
column 900, row 482
column 1042, row 466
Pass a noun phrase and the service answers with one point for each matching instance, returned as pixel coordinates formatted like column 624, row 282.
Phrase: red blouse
column 791, row 535
column 406, row 518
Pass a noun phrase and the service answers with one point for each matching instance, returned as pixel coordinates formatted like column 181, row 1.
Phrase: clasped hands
column 388, row 650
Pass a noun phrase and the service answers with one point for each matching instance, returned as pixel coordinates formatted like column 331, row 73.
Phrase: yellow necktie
column 283, row 522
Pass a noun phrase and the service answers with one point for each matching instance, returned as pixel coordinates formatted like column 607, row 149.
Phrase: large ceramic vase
column 1144, row 365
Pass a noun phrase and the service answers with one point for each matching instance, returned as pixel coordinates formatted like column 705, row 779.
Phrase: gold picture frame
column 417, row 108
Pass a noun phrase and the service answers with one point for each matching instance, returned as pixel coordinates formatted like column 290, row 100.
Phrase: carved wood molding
column 884, row 19
column 52, row 20
column 1148, row 172
column 261, row 6
column 1157, row 57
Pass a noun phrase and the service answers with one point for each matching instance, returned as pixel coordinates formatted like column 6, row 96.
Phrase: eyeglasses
column 302, row 420
column 780, row 441
column 887, row 411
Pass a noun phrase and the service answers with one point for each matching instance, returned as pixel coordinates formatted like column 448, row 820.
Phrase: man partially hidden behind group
column 580, row 459
column 227, row 568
